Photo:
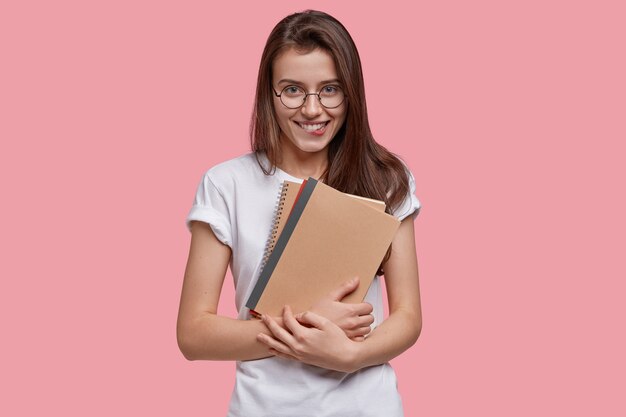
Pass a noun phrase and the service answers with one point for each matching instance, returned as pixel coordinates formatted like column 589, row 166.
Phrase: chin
column 311, row 146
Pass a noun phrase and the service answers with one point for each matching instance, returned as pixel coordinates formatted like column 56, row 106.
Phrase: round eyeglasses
column 294, row 97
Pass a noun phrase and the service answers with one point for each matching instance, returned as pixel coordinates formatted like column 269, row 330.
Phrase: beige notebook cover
column 288, row 196
column 336, row 237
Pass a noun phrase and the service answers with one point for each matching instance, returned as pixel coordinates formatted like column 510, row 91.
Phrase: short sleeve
column 410, row 205
column 210, row 206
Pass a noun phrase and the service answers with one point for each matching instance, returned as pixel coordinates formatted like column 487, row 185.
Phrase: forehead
column 310, row 67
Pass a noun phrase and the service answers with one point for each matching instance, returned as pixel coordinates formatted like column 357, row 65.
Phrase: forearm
column 213, row 337
column 404, row 324
column 318, row 341
column 392, row 337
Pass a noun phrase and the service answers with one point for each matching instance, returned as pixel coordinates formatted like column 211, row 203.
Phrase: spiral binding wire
column 278, row 214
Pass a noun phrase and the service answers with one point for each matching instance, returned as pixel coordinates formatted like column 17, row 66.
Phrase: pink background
column 510, row 114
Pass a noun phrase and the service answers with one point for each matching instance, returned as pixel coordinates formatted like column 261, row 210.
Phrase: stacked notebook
column 321, row 238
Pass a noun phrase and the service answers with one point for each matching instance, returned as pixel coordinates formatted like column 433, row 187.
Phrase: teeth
column 312, row 128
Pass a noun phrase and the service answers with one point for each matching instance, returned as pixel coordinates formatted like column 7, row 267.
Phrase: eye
column 293, row 90
column 329, row 90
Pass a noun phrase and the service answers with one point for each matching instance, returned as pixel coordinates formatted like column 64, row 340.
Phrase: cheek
column 341, row 117
column 341, row 112
column 284, row 124
column 282, row 117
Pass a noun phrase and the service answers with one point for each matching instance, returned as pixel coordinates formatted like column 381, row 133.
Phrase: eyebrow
column 288, row 81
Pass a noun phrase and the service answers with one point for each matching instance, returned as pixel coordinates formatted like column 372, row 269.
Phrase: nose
column 312, row 106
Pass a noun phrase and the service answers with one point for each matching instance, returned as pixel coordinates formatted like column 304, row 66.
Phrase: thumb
column 344, row 289
column 312, row 319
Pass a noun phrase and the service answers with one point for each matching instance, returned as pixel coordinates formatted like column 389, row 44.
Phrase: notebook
column 328, row 238
column 287, row 197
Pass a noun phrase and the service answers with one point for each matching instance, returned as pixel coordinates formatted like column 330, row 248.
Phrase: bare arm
column 326, row 346
column 201, row 333
column 404, row 324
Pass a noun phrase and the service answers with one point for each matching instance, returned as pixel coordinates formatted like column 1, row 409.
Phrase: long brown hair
column 356, row 163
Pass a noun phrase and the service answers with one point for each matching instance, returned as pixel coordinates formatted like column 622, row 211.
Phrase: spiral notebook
column 286, row 199
column 328, row 237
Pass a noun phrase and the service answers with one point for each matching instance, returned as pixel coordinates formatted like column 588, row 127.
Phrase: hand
column 323, row 344
column 353, row 319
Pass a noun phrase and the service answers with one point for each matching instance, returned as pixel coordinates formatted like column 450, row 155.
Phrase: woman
column 310, row 119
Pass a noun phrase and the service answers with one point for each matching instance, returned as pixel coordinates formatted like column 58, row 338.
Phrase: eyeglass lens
column 330, row 96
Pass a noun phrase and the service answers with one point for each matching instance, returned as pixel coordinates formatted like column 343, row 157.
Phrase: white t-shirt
column 238, row 201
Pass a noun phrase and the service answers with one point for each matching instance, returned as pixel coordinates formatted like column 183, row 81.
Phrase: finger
column 363, row 308
column 292, row 324
column 356, row 322
column 344, row 289
column 298, row 317
column 363, row 321
column 278, row 332
column 356, row 338
column 273, row 343
column 315, row 320
column 362, row 331
column 282, row 355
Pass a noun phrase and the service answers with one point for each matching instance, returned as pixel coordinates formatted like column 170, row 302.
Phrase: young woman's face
column 311, row 127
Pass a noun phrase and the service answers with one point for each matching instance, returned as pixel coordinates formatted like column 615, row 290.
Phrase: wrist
column 355, row 356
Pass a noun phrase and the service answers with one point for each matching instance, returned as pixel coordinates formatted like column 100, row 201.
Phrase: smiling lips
column 316, row 128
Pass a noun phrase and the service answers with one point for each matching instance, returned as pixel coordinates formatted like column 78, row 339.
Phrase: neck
column 302, row 164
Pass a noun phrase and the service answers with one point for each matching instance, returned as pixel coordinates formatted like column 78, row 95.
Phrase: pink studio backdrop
column 510, row 114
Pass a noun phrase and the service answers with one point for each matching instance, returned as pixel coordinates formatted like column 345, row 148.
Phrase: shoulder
column 237, row 166
column 237, row 170
column 409, row 203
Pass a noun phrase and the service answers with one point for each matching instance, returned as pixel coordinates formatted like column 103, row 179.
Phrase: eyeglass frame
column 319, row 98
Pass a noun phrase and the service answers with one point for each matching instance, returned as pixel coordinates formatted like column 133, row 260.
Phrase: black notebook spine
column 280, row 244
